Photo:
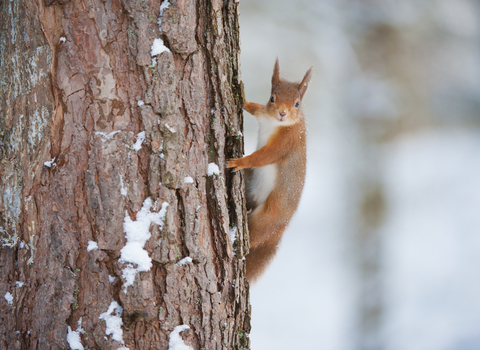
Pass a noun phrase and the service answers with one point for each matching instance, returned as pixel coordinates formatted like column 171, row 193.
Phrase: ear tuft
column 276, row 74
column 303, row 86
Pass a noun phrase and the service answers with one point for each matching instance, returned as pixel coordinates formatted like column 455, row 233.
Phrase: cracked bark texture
column 71, row 77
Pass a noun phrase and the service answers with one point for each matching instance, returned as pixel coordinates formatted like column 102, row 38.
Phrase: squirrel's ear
column 303, row 86
column 276, row 74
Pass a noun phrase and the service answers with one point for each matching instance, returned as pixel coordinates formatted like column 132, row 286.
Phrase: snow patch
column 213, row 169
column 9, row 298
column 184, row 261
column 188, row 180
column 233, row 234
column 172, row 130
column 175, row 342
column 105, row 136
column 158, row 47
column 140, row 138
column 111, row 278
column 19, row 284
column 73, row 339
column 92, row 246
column 165, row 4
column 140, row 103
column 50, row 163
column 138, row 233
column 79, row 326
column 114, row 323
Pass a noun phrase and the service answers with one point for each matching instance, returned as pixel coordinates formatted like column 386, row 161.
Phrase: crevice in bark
column 183, row 250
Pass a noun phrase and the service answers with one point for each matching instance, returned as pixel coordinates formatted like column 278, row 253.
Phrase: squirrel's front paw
column 234, row 163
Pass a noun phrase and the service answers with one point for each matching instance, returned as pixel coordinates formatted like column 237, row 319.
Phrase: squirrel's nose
column 283, row 114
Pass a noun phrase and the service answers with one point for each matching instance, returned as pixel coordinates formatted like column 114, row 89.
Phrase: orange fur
column 283, row 123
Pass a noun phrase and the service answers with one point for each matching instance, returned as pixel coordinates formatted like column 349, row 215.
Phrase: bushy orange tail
column 266, row 227
column 260, row 257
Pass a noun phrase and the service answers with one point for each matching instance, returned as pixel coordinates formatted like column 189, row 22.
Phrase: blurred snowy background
column 384, row 251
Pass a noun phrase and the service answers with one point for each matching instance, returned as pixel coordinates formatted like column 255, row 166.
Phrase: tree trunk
column 102, row 142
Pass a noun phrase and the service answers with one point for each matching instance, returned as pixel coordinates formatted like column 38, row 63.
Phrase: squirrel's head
column 285, row 102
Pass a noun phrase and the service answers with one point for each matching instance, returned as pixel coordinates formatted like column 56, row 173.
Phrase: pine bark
column 71, row 77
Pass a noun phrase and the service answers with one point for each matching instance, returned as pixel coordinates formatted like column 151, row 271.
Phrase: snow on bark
column 176, row 342
column 113, row 321
column 137, row 234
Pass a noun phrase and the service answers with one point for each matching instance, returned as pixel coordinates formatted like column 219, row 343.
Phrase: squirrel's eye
column 297, row 104
column 272, row 99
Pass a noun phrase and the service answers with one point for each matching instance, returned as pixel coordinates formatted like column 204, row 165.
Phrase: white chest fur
column 263, row 178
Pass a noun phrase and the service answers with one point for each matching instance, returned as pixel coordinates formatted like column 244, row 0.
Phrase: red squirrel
column 277, row 175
